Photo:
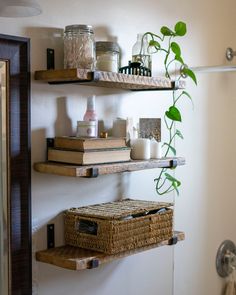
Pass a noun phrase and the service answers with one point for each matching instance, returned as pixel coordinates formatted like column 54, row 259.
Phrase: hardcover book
column 100, row 156
column 83, row 144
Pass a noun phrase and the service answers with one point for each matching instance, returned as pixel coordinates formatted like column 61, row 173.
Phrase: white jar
column 140, row 149
column 86, row 129
column 107, row 56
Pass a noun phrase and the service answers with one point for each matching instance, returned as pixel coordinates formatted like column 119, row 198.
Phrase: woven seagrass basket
column 119, row 226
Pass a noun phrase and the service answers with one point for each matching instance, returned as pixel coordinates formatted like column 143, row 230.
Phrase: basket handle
column 86, row 226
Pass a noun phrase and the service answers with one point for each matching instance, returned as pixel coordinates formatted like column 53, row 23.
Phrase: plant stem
column 154, row 35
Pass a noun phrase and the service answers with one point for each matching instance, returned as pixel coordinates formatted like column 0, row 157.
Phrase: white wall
column 205, row 209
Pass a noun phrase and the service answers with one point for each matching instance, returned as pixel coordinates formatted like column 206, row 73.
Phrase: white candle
column 155, row 149
column 140, row 149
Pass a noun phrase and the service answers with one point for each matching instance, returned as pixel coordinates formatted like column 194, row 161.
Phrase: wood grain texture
column 15, row 51
column 75, row 258
column 106, row 79
column 85, row 171
column 67, row 75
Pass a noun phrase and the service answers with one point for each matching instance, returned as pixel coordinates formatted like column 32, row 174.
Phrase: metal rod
column 214, row 69
column 230, row 53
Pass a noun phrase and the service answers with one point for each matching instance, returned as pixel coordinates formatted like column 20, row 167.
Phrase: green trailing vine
column 165, row 182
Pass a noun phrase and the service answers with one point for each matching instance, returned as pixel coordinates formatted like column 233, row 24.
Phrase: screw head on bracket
column 229, row 54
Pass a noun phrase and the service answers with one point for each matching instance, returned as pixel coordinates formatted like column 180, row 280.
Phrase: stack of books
column 88, row 151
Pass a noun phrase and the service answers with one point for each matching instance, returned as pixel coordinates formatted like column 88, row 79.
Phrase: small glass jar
column 79, row 49
column 107, row 56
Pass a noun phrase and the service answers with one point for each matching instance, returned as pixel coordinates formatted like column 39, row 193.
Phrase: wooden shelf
column 107, row 79
column 75, row 258
column 102, row 169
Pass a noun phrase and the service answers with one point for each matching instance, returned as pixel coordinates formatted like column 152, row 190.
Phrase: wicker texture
column 119, row 226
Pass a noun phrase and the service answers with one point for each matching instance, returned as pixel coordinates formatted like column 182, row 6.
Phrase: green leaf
column 179, row 58
column 172, row 179
column 167, row 32
column 178, row 133
column 175, row 48
column 171, row 148
column 188, row 95
column 180, row 29
column 173, row 114
column 154, row 43
column 175, row 182
column 190, row 74
column 169, row 177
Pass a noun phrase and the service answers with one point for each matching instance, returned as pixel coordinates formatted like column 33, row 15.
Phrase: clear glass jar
column 107, row 56
column 79, row 49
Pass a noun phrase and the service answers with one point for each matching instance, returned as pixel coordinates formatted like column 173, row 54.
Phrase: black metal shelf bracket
column 173, row 163
column 173, row 241
column 50, row 142
column 94, row 263
column 94, row 78
column 51, row 235
column 92, row 172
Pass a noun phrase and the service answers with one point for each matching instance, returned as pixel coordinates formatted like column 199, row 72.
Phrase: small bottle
column 140, row 52
column 90, row 114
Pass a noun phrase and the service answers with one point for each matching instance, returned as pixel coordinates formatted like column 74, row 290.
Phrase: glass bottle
column 90, row 114
column 79, row 51
column 140, row 52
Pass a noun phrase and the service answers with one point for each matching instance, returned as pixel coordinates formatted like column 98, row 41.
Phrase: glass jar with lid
column 107, row 56
column 79, row 51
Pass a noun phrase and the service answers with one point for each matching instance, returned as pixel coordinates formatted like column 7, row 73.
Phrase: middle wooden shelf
column 102, row 169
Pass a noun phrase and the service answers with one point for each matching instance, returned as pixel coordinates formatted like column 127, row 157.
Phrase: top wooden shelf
column 107, row 79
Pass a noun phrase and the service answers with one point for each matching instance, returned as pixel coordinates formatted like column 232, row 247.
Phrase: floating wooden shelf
column 107, row 79
column 75, row 258
column 101, row 169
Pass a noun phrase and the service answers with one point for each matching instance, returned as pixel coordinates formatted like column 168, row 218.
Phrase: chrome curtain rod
column 214, row 69
column 230, row 53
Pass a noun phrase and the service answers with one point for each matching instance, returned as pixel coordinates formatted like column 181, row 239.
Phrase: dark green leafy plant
column 166, row 183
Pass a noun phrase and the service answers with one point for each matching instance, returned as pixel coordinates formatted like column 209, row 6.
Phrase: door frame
column 16, row 52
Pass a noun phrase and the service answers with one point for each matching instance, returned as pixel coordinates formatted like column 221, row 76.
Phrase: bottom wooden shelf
column 75, row 258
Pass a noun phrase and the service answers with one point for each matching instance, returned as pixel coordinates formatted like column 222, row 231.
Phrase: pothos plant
column 164, row 43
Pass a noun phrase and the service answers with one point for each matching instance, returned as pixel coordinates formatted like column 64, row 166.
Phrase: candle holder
column 135, row 68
